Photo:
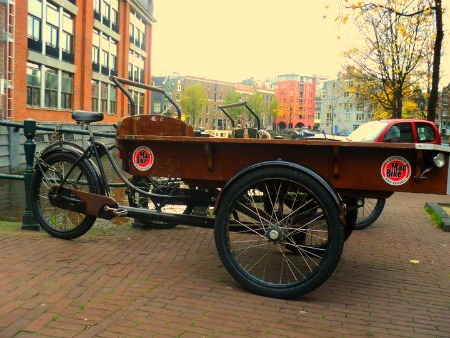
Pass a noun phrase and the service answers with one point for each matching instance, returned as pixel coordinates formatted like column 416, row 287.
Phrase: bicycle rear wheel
column 50, row 171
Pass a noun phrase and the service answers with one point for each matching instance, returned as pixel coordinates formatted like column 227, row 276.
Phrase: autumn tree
column 272, row 109
column 434, row 10
column 396, row 42
column 193, row 101
column 235, row 112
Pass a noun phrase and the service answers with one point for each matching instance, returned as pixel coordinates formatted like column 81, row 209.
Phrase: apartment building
column 216, row 92
column 296, row 101
column 443, row 113
column 341, row 110
column 58, row 56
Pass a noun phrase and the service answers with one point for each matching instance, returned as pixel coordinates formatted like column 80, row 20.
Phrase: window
column 51, row 31
column 115, row 15
column 95, row 94
column 406, row 134
column 425, row 132
column 360, row 106
column 137, row 30
column 104, row 98
column 34, row 27
column 138, row 99
column 51, row 88
column 67, row 41
column 157, row 108
column 359, row 117
column 33, row 85
column 96, row 48
column 66, row 90
column 105, row 52
column 112, row 99
column 97, row 6
column 67, row 38
column 113, row 57
column 347, row 116
column 106, row 12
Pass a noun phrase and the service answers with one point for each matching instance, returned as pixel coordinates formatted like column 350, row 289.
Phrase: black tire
column 157, row 185
column 259, row 221
column 369, row 212
column 62, row 223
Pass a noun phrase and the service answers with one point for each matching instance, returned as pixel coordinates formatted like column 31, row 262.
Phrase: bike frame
column 96, row 150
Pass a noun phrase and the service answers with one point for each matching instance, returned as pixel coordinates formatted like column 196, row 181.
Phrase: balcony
column 115, row 27
column 105, row 70
column 35, row 44
column 52, row 50
column 95, row 67
column 106, row 21
column 67, row 55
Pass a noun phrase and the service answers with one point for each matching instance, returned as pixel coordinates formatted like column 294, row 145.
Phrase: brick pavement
column 139, row 283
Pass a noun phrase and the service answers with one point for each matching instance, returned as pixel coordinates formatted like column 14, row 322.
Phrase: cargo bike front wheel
column 278, row 233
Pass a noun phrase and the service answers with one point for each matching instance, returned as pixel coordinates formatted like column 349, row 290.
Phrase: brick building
column 58, row 56
column 296, row 100
column 216, row 92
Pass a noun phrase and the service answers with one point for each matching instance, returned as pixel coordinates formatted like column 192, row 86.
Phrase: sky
column 233, row 40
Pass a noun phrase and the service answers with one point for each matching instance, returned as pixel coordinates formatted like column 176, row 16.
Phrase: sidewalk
column 138, row 283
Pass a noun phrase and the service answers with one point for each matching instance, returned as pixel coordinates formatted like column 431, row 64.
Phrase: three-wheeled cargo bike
column 280, row 209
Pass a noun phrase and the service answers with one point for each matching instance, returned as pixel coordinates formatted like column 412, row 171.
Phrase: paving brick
column 172, row 283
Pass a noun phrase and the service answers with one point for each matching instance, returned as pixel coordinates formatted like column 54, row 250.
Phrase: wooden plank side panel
column 344, row 166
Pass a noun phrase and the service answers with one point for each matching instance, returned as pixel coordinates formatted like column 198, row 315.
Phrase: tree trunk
column 397, row 103
column 434, row 94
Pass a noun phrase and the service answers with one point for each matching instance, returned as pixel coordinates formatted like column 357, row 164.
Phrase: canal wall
column 12, row 153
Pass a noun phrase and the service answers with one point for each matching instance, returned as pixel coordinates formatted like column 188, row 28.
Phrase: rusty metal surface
column 160, row 125
column 347, row 166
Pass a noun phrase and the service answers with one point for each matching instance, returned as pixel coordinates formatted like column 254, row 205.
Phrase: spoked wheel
column 58, row 222
column 278, row 233
column 157, row 185
column 369, row 212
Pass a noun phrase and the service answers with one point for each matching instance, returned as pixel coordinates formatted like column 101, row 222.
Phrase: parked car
column 395, row 130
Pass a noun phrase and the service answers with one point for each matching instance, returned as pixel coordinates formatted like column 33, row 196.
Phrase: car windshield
column 368, row 131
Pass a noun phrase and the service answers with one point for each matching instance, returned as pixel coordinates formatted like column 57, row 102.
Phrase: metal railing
column 30, row 127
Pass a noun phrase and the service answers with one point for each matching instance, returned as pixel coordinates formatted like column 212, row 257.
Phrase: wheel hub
column 274, row 234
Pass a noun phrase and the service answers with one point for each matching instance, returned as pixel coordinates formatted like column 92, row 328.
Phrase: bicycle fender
column 319, row 179
column 76, row 151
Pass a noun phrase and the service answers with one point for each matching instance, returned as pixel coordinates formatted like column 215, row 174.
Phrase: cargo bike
column 281, row 209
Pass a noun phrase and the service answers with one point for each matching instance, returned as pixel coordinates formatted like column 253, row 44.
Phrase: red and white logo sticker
column 396, row 170
column 143, row 158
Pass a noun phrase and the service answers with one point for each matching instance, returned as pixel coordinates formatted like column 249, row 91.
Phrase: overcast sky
column 233, row 40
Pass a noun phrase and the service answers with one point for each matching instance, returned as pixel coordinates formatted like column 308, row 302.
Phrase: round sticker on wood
column 396, row 170
column 143, row 158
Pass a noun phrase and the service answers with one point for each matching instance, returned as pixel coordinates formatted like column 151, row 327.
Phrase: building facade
column 63, row 53
column 443, row 113
column 339, row 106
column 216, row 92
column 296, row 101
